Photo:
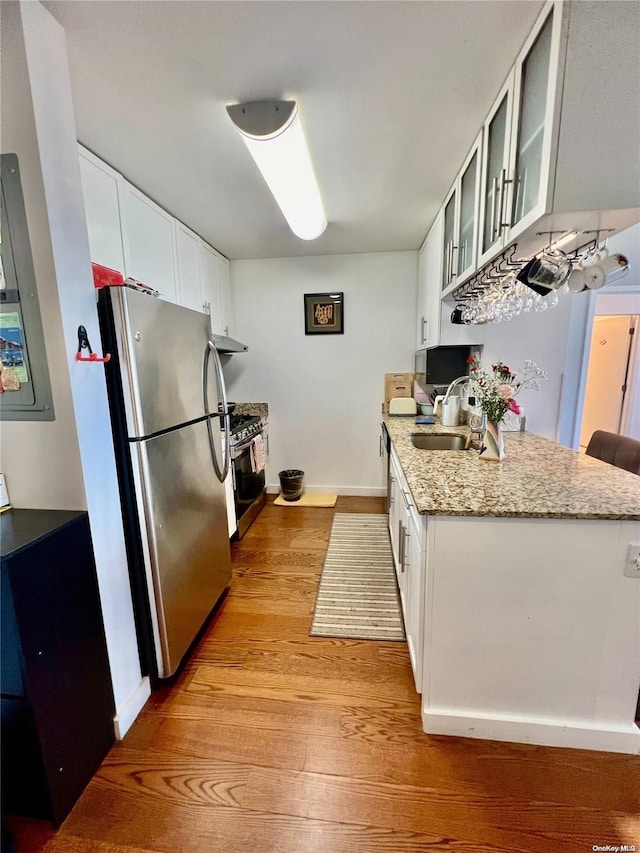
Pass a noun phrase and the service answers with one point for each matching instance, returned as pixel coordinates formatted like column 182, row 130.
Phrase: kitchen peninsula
column 520, row 621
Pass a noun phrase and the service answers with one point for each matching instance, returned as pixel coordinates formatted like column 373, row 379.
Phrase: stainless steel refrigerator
column 167, row 401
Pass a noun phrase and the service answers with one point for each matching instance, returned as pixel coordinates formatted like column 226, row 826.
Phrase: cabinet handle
column 407, row 502
column 404, row 547
column 494, row 205
column 446, row 264
column 401, row 545
column 380, row 446
column 453, row 266
column 503, row 196
column 422, row 333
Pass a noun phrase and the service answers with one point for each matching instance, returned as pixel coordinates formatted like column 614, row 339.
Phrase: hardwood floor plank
column 479, row 818
column 271, row 741
column 217, row 830
column 249, row 713
column 378, row 694
column 486, row 767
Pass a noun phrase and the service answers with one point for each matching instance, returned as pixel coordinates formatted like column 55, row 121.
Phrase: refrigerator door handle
column 211, row 351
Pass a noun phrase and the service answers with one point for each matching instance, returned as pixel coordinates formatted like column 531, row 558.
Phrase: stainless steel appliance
column 249, row 486
column 167, row 401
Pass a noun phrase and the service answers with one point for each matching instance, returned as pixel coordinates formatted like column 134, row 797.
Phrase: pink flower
column 513, row 407
column 505, row 391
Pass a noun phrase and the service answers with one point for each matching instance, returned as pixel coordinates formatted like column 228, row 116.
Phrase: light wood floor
column 275, row 741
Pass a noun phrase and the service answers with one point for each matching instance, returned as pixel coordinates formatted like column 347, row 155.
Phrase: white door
column 468, row 210
column 188, row 255
column 102, row 210
column 536, row 101
column 225, row 295
column 433, row 274
column 414, row 615
column 494, row 200
column 149, row 242
column 210, row 287
column 609, row 357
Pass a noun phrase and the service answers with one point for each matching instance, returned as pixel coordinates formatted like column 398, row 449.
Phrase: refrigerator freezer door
column 162, row 349
column 183, row 507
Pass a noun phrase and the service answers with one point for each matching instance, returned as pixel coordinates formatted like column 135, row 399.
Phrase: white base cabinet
column 407, row 529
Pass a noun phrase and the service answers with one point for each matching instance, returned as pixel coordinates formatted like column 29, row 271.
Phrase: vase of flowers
column 496, row 391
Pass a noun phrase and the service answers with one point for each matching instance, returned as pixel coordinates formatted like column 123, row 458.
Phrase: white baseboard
column 605, row 738
column 123, row 720
column 355, row 491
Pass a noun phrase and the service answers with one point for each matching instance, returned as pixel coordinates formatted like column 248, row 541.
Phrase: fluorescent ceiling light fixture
column 272, row 132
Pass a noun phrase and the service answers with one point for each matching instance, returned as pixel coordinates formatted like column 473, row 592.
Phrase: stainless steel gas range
column 249, row 444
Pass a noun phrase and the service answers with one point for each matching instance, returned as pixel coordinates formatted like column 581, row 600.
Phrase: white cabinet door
column 429, row 275
column 535, row 87
column 414, row 608
column 210, row 287
column 102, row 210
column 495, row 164
column 188, row 256
column 466, row 238
column 449, row 240
column 149, row 242
column 423, row 288
column 225, row 295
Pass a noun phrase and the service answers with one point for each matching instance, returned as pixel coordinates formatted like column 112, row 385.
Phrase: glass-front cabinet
column 468, row 209
column 535, row 99
column 450, row 245
column 460, row 222
column 518, row 141
column 494, row 174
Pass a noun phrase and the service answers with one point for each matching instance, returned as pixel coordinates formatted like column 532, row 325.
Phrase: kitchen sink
column 438, row 441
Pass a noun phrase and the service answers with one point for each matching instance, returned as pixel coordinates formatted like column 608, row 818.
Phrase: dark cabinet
column 57, row 702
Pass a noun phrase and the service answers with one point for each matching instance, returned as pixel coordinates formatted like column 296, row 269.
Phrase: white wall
column 40, row 459
column 542, row 338
column 324, row 392
column 42, row 132
column 558, row 340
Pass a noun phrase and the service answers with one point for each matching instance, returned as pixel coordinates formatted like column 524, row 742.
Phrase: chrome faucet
column 452, row 385
column 444, row 398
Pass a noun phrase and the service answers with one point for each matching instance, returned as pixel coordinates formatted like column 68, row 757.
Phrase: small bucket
column 291, row 483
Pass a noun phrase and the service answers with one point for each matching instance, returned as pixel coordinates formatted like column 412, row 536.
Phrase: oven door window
column 248, row 484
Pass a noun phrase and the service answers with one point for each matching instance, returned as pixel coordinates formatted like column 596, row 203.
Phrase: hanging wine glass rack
column 507, row 264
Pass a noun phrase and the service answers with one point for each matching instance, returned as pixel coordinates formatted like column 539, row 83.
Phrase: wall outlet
column 632, row 566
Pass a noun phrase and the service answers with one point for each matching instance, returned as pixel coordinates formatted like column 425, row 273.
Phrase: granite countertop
column 537, row 479
column 260, row 410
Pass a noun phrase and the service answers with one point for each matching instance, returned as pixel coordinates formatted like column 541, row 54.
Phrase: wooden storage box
column 397, row 385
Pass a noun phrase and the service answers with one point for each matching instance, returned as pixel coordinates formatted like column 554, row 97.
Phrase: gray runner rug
column 357, row 596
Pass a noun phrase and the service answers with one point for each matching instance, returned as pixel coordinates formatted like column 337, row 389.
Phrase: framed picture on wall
column 324, row 313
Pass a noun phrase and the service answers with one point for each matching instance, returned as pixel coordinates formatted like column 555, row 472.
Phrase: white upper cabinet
column 430, row 264
column 495, row 159
column 149, row 242
column 188, row 254
column 450, row 246
column 468, row 213
column 225, row 295
column 100, row 192
column 210, row 291
column 535, row 95
column 461, row 210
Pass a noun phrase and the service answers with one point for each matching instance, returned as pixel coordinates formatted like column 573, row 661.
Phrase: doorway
column 611, row 392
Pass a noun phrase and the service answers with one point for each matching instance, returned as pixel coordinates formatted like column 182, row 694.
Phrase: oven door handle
column 210, row 350
column 238, row 449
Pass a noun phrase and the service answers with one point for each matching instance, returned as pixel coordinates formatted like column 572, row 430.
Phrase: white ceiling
column 391, row 96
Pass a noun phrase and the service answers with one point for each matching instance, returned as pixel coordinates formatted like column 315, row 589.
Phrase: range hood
column 224, row 344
